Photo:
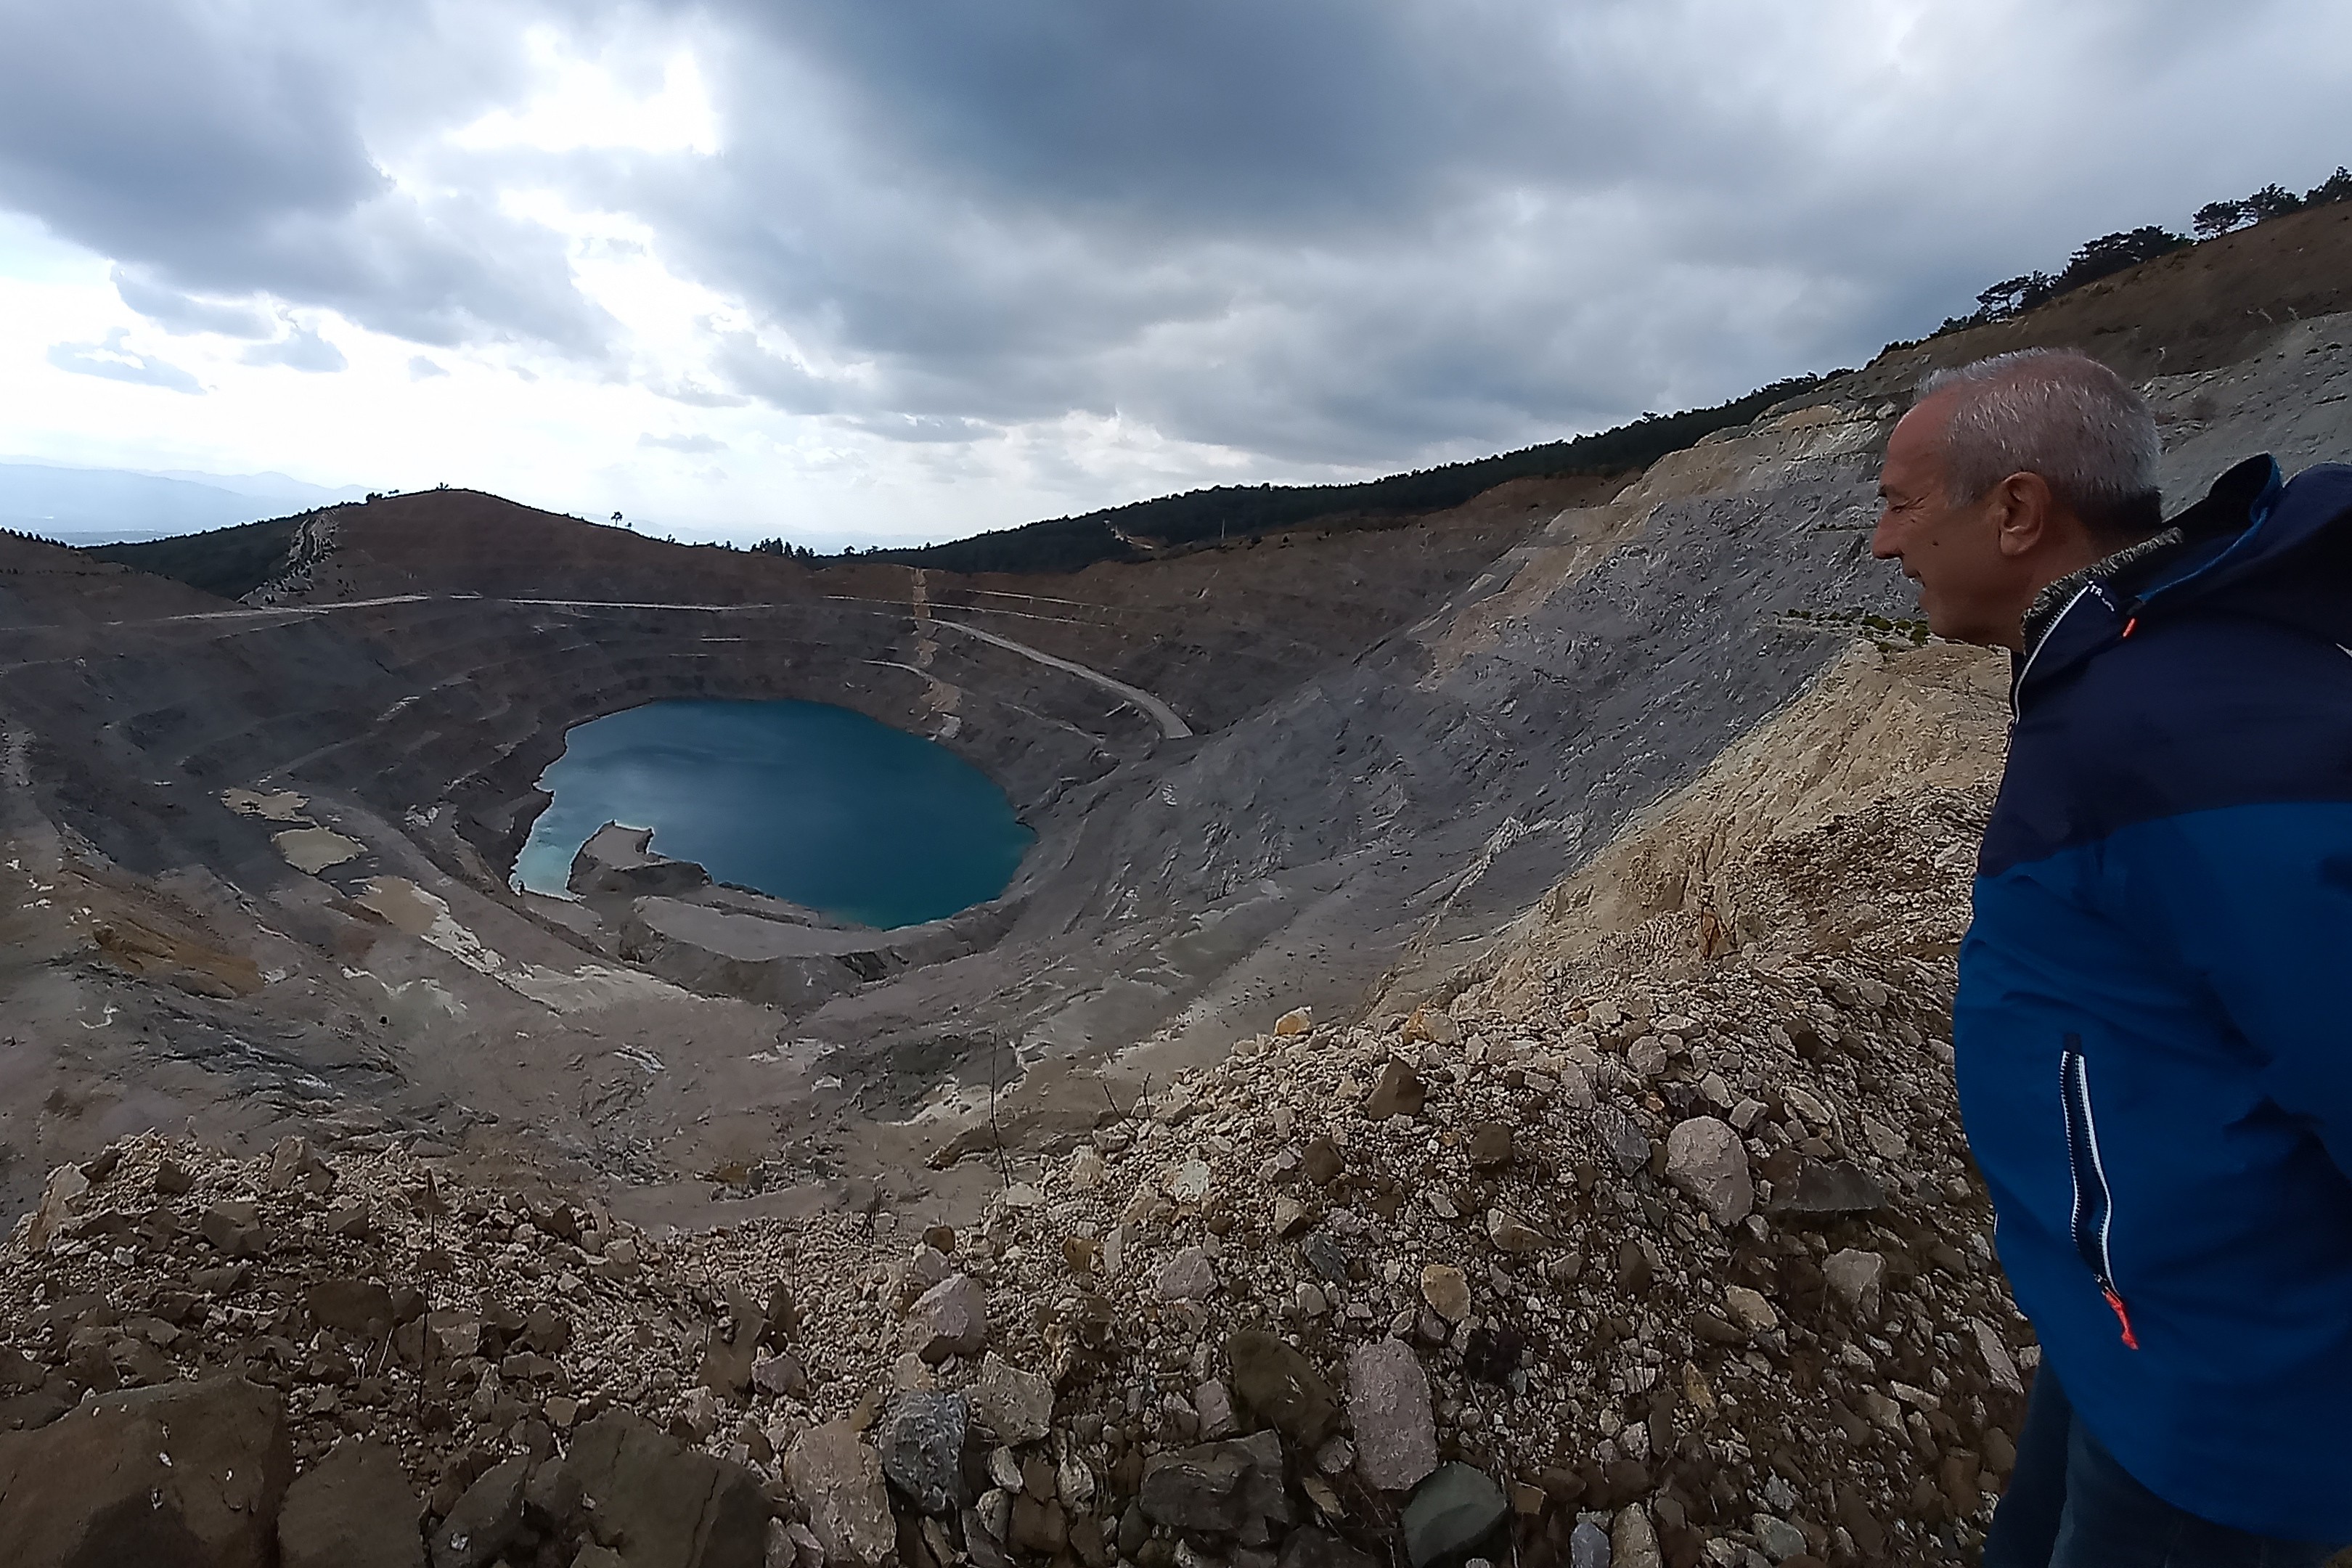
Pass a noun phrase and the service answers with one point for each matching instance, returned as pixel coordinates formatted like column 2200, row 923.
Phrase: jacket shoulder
column 2203, row 710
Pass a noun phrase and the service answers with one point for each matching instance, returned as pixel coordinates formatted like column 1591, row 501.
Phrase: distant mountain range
column 103, row 506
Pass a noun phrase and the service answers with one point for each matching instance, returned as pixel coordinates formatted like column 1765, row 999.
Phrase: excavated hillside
column 1463, row 1071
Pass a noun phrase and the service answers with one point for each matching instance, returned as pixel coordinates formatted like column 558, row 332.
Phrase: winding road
column 1172, row 725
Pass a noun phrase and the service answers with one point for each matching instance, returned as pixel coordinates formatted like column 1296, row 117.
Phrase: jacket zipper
column 2095, row 1204
column 2017, row 687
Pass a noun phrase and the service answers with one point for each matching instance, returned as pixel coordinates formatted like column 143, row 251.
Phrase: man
column 2154, row 1023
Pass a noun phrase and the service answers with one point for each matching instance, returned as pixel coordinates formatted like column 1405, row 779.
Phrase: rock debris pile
column 1678, row 1273
column 1641, row 1259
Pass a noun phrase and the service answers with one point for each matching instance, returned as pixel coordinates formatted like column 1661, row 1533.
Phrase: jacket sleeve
column 2255, row 903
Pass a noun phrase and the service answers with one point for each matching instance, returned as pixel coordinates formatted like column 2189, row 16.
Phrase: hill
column 1244, row 511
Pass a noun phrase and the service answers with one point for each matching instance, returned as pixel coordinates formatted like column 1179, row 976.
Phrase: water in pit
column 802, row 801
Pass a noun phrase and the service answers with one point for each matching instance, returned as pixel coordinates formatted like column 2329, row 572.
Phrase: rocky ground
column 1629, row 1261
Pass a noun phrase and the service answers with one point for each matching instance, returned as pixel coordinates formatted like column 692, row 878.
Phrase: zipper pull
column 2131, row 1340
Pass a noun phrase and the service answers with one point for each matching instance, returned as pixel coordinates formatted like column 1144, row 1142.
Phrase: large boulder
column 1458, row 1507
column 666, row 1506
column 1705, row 1159
column 1233, row 1487
column 354, row 1508
column 182, row 1474
column 1388, row 1411
column 950, row 1319
column 838, row 1479
column 923, row 1448
column 1275, row 1379
column 488, row 1518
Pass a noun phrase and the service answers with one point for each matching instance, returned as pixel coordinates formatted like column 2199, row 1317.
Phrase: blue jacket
column 2154, row 1023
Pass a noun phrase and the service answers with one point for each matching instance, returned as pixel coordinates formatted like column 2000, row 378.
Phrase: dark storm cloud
column 114, row 362
column 1351, row 234
column 1319, row 233
column 215, row 151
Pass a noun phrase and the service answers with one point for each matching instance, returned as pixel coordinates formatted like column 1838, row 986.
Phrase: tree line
column 1241, row 512
column 2112, row 253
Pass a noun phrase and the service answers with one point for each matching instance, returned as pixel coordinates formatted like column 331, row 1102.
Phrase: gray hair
column 2062, row 415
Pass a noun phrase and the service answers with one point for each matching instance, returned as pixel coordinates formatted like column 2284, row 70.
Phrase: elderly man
column 2154, row 1023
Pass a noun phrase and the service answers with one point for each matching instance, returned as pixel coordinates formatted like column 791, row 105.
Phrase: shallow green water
column 800, row 800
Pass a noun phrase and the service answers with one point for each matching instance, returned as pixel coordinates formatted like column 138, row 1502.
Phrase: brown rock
column 1039, row 1525
column 1275, row 1380
column 1322, row 1162
column 486, row 1518
column 1221, row 1488
column 354, row 1508
column 351, row 1306
column 234, row 1228
column 728, row 1356
column 185, row 1474
column 1397, row 1092
column 1490, row 1145
column 668, row 1505
column 1447, row 1292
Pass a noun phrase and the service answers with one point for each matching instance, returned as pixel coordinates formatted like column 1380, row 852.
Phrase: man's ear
column 2022, row 511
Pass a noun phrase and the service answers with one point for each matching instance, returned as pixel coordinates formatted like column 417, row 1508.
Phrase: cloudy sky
column 841, row 270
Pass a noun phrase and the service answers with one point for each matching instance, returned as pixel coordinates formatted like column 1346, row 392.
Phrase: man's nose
column 1882, row 539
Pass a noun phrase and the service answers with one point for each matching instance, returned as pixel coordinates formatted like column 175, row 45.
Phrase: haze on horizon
column 849, row 272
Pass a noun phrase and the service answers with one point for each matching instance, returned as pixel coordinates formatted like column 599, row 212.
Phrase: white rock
column 1748, row 1309
column 1856, row 1276
column 1779, row 1538
column 64, row 1185
column 1632, row 1542
column 1805, row 1104
column 1884, row 1140
column 1389, row 1413
column 1189, row 1183
column 838, row 1479
column 1996, row 1357
column 1190, row 1275
column 949, row 1319
column 1705, row 1159
column 1016, row 1406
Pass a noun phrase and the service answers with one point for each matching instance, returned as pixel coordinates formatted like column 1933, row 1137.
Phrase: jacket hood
column 2256, row 544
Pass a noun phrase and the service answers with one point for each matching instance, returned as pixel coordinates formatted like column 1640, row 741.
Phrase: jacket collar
column 2207, row 544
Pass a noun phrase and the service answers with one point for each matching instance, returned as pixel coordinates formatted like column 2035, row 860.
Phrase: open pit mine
column 1461, row 1072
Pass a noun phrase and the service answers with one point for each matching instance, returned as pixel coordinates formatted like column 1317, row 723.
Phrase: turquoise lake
column 802, row 801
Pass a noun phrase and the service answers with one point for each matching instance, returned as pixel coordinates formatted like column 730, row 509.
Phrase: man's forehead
column 1914, row 444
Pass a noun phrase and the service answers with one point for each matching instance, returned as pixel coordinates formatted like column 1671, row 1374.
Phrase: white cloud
column 112, row 360
column 580, row 104
column 926, row 268
column 301, row 348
